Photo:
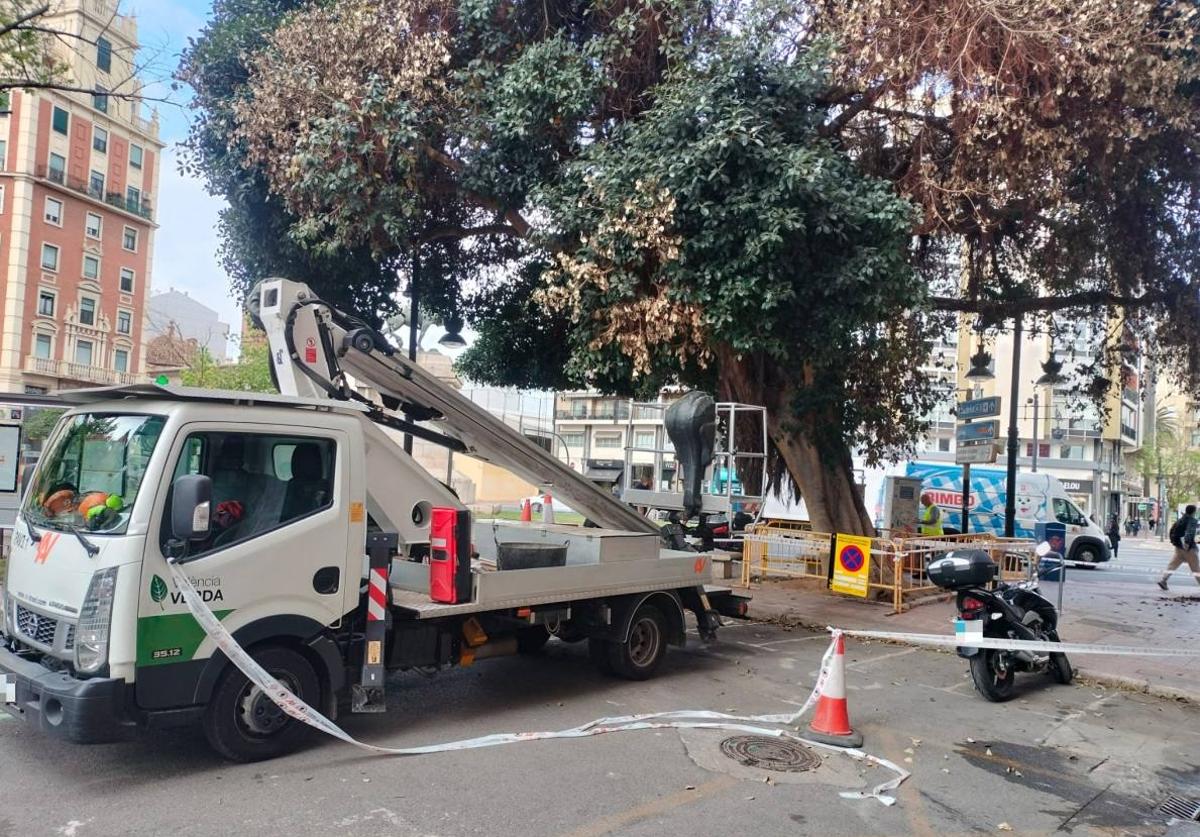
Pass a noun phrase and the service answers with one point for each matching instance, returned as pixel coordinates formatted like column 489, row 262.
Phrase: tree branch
column 865, row 100
column 468, row 232
column 23, row 19
column 1028, row 304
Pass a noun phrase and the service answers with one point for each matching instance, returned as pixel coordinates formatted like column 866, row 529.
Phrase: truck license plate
column 8, row 689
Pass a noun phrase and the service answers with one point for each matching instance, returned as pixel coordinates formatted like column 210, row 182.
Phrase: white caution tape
column 680, row 719
column 976, row 641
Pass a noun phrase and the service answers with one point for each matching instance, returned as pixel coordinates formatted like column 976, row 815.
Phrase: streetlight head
column 452, row 339
column 981, row 363
column 1051, row 371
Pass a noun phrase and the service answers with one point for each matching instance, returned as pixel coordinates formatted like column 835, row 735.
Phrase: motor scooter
column 1002, row 610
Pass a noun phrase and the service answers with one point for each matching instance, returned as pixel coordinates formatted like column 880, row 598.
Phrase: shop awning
column 606, row 476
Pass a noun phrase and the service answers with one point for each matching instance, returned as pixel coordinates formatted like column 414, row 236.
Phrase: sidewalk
column 1133, row 614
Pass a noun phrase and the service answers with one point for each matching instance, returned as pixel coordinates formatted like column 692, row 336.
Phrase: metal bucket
column 528, row 556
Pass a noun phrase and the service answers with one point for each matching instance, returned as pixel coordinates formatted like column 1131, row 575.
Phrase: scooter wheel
column 992, row 675
column 1060, row 667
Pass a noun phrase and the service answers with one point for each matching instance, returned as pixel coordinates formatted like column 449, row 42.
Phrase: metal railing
column 140, row 207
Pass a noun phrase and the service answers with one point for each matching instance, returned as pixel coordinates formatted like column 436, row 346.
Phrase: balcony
column 1128, row 432
column 140, row 207
column 82, row 372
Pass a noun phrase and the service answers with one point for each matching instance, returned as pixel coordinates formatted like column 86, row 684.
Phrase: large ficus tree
column 653, row 184
column 1056, row 140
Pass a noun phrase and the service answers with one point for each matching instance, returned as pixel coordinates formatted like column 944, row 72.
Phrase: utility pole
column 1036, row 440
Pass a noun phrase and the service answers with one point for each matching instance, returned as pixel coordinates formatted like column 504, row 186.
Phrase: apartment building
column 593, row 430
column 176, row 314
column 78, row 183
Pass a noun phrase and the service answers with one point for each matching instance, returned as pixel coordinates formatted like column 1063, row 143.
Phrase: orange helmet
column 90, row 501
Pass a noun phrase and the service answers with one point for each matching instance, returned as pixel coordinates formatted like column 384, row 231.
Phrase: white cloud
column 185, row 244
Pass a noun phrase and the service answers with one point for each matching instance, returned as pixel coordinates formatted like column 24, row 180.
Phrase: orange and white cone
column 526, row 512
column 831, row 720
column 547, row 509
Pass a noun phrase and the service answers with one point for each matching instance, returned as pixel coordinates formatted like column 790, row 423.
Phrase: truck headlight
column 91, row 636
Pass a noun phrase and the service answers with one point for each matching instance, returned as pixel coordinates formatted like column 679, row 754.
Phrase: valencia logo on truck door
column 44, row 547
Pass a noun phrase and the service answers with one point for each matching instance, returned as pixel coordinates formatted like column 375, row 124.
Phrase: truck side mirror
column 191, row 503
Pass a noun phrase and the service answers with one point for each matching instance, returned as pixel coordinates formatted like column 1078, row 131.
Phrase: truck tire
column 243, row 724
column 532, row 640
column 642, row 652
column 1087, row 553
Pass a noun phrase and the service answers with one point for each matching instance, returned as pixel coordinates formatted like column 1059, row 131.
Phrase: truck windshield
column 90, row 473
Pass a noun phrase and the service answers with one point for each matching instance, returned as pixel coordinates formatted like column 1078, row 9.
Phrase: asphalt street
column 1074, row 759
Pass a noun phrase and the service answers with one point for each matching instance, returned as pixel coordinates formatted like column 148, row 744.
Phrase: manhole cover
column 770, row 753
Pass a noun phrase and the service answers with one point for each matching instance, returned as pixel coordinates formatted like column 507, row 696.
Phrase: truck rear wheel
column 242, row 723
column 639, row 656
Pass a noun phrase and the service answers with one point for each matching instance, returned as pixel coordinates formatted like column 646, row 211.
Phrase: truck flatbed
column 600, row 562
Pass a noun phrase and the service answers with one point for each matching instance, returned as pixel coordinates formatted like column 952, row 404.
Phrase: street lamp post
column 1036, row 439
column 1010, row 482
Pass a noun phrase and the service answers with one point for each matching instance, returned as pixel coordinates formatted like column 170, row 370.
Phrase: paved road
column 1079, row 759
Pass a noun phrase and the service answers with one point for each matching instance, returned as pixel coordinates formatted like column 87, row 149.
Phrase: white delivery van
column 1041, row 498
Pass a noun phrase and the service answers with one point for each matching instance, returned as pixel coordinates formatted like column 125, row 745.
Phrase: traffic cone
column 547, row 509
column 831, row 720
column 526, row 512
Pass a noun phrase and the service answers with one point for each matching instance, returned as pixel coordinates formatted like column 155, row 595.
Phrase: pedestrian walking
column 1114, row 533
column 1183, row 538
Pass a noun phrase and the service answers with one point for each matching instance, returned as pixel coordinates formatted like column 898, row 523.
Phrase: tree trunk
column 818, row 461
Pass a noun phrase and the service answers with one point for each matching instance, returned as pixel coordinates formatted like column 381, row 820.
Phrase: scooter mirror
column 1043, row 549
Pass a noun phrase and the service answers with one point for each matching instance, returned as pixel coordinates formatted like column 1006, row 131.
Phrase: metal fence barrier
column 897, row 564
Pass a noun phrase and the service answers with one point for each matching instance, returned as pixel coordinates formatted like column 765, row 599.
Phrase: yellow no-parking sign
column 851, row 565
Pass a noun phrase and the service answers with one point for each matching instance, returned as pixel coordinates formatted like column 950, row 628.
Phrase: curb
column 788, row 616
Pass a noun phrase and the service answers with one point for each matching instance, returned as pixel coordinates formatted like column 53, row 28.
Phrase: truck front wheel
column 242, row 723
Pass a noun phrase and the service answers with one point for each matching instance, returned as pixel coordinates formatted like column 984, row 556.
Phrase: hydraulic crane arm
column 317, row 351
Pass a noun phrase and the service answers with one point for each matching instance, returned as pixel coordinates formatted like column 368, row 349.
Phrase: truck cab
column 90, row 615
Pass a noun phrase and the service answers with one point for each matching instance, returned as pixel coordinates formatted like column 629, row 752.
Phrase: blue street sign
column 978, row 432
column 978, row 408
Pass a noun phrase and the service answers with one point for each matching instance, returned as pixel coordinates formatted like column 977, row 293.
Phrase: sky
column 185, row 244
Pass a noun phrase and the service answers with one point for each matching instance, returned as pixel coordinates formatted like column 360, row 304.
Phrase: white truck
column 326, row 550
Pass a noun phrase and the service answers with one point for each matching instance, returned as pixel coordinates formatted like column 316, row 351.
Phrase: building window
column 3, row 154
column 135, row 156
column 121, row 360
column 643, row 439
column 126, row 280
column 103, row 55
column 608, row 440
column 54, row 210
column 92, row 225
column 46, row 303
column 58, row 168
column 42, row 346
column 61, row 120
column 129, row 240
column 124, row 322
column 100, row 139
column 83, row 352
column 943, row 444
column 100, row 99
column 133, row 199
column 96, row 185
column 91, row 268
column 50, row 257
column 572, row 440
column 87, row 311
column 1, row 198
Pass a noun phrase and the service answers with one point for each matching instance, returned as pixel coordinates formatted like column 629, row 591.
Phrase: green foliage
column 39, row 421
column 251, row 373
column 255, row 230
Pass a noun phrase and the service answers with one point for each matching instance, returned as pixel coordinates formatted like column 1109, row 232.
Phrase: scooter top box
column 962, row 568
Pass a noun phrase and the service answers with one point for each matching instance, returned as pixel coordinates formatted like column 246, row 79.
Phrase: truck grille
column 34, row 626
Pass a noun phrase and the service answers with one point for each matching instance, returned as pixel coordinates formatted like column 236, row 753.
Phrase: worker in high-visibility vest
column 931, row 517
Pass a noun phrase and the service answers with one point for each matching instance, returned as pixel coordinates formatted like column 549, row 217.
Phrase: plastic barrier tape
column 680, row 719
column 969, row 641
